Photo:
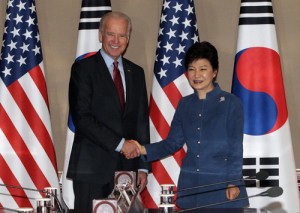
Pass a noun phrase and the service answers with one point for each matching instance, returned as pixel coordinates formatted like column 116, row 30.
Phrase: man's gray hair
column 116, row 15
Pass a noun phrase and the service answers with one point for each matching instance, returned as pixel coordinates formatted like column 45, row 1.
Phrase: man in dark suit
column 105, row 127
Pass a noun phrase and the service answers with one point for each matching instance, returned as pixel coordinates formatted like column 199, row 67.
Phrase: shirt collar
column 109, row 60
column 212, row 93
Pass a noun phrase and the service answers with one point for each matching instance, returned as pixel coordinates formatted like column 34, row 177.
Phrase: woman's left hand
column 232, row 192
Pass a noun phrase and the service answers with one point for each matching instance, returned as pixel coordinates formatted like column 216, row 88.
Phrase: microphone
column 51, row 193
column 261, row 175
column 19, row 187
column 275, row 191
column 48, row 191
column 271, row 192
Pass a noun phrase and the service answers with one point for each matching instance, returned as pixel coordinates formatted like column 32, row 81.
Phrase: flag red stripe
column 37, row 76
column 22, row 151
column 9, row 179
column 150, row 204
column 33, row 119
column 179, row 155
column 90, row 54
column 162, row 177
column 160, row 123
column 173, row 94
column 160, row 173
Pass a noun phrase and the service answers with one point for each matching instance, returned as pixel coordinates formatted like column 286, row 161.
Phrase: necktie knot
column 116, row 64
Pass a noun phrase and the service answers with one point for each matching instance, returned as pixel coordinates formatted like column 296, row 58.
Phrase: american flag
column 88, row 43
column 27, row 156
column 178, row 31
column 258, row 81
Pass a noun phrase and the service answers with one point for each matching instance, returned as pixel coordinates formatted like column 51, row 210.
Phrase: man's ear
column 100, row 36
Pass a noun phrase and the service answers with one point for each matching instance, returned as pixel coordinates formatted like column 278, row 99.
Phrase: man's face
column 114, row 37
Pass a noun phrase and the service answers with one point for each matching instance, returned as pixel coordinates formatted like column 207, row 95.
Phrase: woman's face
column 200, row 75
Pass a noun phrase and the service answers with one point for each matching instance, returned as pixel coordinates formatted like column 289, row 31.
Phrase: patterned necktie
column 118, row 83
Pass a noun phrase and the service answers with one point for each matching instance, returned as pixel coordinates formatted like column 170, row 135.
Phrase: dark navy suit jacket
column 100, row 124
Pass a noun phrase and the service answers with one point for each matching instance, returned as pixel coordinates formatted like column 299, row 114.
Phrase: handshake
column 132, row 149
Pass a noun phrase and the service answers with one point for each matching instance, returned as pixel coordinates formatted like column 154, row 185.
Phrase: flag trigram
column 267, row 164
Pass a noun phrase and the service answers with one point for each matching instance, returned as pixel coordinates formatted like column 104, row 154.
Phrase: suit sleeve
column 235, row 130
column 173, row 142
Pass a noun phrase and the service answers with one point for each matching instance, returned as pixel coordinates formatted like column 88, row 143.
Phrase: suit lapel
column 107, row 79
column 129, row 83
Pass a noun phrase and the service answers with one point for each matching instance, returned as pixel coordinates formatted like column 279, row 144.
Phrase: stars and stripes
column 178, row 31
column 27, row 156
column 257, row 80
column 88, row 43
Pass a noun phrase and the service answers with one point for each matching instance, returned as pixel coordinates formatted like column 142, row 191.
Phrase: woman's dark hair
column 202, row 50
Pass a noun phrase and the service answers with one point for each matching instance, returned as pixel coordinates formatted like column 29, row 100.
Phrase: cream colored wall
column 217, row 22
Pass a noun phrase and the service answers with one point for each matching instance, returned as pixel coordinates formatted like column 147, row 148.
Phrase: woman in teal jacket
column 210, row 122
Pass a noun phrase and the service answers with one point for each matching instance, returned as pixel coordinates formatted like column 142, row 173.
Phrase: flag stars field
column 21, row 40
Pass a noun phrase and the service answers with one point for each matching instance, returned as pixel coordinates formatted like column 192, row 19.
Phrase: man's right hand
column 131, row 149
